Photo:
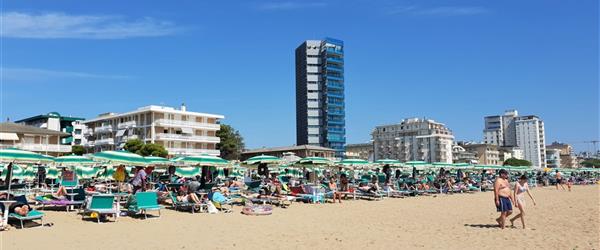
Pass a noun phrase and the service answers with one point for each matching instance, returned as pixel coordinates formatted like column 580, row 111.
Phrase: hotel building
column 525, row 132
column 31, row 138
column 55, row 121
column 320, row 108
column 181, row 132
column 414, row 140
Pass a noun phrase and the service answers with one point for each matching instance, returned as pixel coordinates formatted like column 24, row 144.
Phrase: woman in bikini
column 521, row 188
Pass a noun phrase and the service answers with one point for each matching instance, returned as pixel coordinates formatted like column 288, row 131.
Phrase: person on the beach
column 139, row 180
column 559, row 180
column 334, row 190
column 502, row 197
column 521, row 187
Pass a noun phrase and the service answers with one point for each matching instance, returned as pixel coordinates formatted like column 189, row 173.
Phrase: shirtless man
column 502, row 197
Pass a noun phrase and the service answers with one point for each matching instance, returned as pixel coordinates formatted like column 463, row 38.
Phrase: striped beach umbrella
column 74, row 160
column 203, row 160
column 314, row 161
column 157, row 161
column 355, row 163
column 84, row 173
column 22, row 156
column 120, row 157
column 188, row 172
column 262, row 159
column 52, row 173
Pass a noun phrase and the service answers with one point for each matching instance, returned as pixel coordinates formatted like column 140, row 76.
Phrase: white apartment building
column 531, row 139
column 31, row 138
column 181, row 132
column 414, row 140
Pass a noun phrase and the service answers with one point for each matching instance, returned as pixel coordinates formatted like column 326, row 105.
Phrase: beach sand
column 561, row 220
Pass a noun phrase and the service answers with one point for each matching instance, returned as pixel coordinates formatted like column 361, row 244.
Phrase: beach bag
column 211, row 208
column 119, row 174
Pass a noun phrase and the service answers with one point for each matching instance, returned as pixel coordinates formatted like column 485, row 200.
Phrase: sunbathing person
column 19, row 208
column 183, row 196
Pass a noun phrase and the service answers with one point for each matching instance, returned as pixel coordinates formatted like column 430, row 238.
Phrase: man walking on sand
column 502, row 197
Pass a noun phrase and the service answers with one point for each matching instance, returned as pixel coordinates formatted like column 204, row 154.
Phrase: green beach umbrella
column 265, row 159
column 157, row 161
column 120, row 157
column 52, row 173
column 86, row 172
column 73, row 160
column 314, row 161
column 22, row 156
column 188, row 172
column 203, row 160
column 354, row 162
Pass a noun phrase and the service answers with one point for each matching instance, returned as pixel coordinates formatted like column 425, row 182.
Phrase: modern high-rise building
column 500, row 129
column 525, row 132
column 414, row 140
column 320, row 105
column 531, row 139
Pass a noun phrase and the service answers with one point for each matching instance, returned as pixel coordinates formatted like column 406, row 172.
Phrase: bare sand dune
column 561, row 220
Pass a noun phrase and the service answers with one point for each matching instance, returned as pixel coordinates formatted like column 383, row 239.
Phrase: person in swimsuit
column 521, row 187
column 502, row 197
column 559, row 180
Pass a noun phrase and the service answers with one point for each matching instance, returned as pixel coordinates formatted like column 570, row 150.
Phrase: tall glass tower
column 320, row 108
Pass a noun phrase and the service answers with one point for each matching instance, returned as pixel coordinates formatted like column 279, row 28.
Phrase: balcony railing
column 102, row 129
column 182, row 137
column 192, row 151
column 129, row 124
column 40, row 147
column 179, row 123
column 107, row 141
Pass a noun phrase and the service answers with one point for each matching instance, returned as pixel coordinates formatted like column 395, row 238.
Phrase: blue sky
column 451, row 61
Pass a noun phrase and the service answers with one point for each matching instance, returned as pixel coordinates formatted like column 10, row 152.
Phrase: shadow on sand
column 482, row 225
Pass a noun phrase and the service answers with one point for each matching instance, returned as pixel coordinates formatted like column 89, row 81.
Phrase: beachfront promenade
column 561, row 220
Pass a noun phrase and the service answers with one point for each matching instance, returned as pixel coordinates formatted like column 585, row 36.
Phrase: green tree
column 77, row 150
column 589, row 163
column 134, row 145
column 232, row 143
column 152, row 149
column 516, row 162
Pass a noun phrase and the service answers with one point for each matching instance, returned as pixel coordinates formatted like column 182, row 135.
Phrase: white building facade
column 532, row 140
column 413, row 140
column 181, row 132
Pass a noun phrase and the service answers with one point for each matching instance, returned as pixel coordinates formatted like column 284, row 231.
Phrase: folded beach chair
column 32, row 215
column 101, row 204
column 145, row 201
column 178, row 205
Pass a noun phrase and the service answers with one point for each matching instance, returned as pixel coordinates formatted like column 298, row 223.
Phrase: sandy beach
column 561, row 220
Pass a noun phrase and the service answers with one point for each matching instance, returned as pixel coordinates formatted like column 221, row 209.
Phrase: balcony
column 42, row 148
column 191, row 124
column 182, row 137
column 107, row 141
column 192, row 151
column 103, row 129
column 129, row 124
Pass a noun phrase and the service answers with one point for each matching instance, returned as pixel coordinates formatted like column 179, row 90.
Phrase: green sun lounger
column 178, row 205
column 101, row 204
column 146, row 201
column 32, row 215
